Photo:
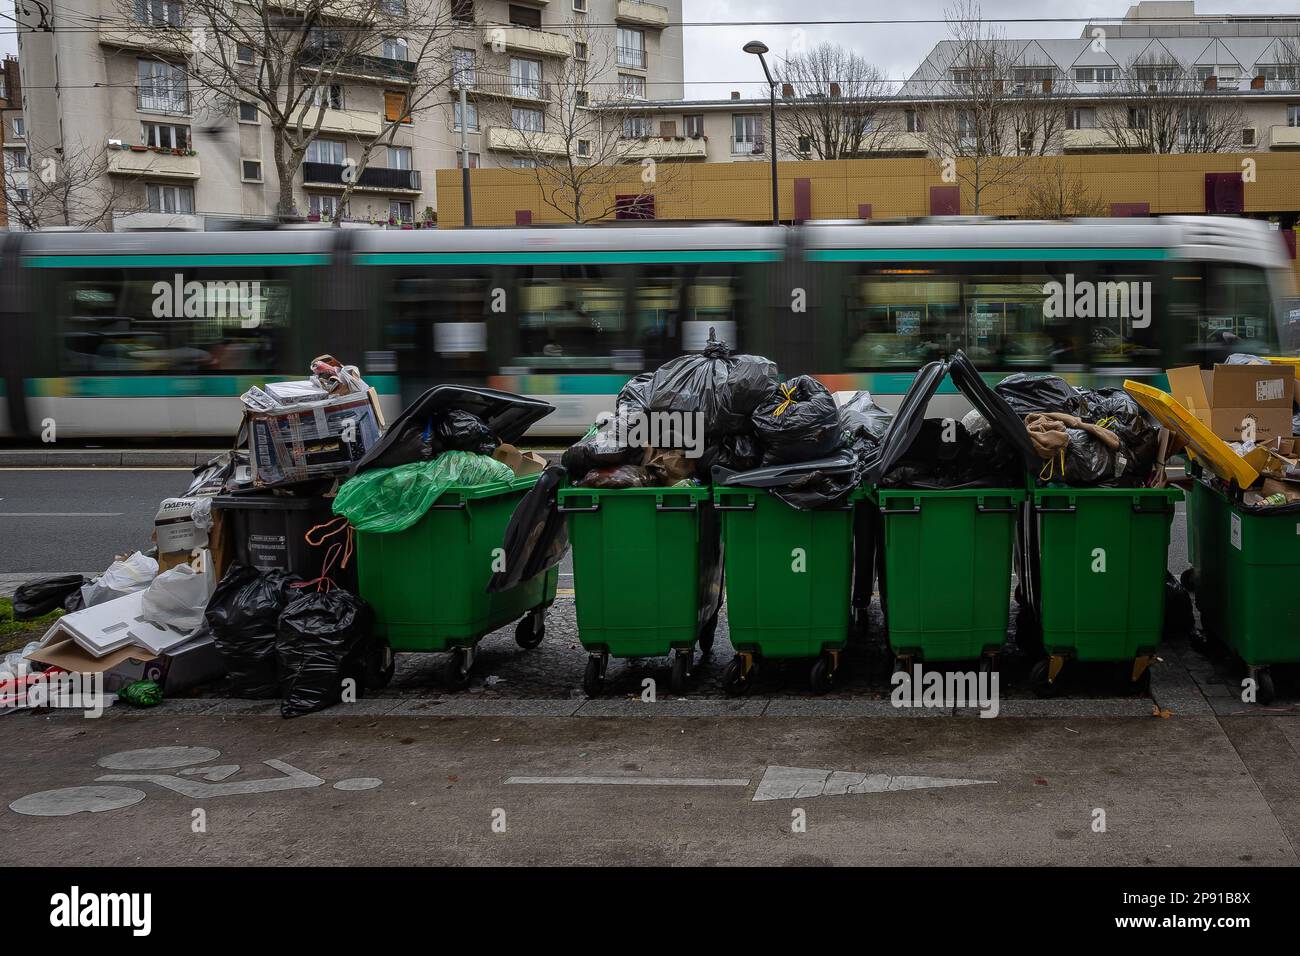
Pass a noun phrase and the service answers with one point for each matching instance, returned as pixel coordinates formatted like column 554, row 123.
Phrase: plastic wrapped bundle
column 393, row 499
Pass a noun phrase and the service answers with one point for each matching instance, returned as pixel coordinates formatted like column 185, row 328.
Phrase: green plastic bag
column 141, row 693
column 393, row 499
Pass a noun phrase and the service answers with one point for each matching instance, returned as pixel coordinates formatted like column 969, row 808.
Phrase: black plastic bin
column 269, row 531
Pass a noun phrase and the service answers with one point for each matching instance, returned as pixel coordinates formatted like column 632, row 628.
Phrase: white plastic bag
column 122, row 578
column 177, row 598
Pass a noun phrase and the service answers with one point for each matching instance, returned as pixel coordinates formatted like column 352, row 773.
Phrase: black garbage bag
column 537, row 537
column 738, row 452
column 799, row 423
column 1139, row 435
column 1028, row 392
column 1006, row 424
column 602, row 447
column 940, row 456
column 864, row 424
column 1087, row 459
column 908, row 420
column 753, row 380
column 323, row 638
column 1179, row 618
column 635, row 395
column 242, row 614
column 807, row 485
column 616, row 476
column 43, row 595
column 459, row 430
column 695, row 383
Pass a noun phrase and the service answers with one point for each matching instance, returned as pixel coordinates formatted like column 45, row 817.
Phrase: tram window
column 902, row 318
column 1013, row 318
column 656, row 319
column 439, row 324
column 1127, row 322
column 1220, row 309
column 714, row 301
column 214, row 324
column 571, row 318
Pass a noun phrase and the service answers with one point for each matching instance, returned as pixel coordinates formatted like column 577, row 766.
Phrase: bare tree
column 284, row 59
column 581, row 146
column 836, row 105
column 1053, row 192
column 68, row 186
column 1163, row 107
column 979, row 131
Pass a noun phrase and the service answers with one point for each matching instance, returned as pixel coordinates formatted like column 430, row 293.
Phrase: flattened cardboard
column 520, row 462
column 68, row 655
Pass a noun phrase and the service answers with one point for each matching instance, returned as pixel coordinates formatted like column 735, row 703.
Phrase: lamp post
column 758, row 48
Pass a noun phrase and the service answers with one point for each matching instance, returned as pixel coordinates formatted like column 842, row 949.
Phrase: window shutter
column 395, row 107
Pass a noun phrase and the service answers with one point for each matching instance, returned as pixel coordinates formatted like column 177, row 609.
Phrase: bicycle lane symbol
column 143, row 766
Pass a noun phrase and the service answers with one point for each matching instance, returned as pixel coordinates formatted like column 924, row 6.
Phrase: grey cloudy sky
column 715, row 64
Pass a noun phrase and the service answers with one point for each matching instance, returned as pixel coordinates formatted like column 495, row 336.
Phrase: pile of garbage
column 1085, row 437
column 719, row 418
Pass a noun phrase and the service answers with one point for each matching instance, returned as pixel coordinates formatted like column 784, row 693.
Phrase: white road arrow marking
column 789, row 783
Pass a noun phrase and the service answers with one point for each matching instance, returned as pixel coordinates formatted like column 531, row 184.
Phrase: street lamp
column 758, row 48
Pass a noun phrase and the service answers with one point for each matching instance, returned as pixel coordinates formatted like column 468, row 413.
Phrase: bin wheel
column 456, row 672
column 681, row 672
column 530, row 630
column 593, row 678
column 706, row 637
column 1264, row 689
column 734, row 681
column 822, row 677
column 1038, row 682
column 380, row 666
column 989, row 664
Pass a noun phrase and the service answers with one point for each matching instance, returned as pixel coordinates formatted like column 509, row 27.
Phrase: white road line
column 61, row 514
column 638, row 781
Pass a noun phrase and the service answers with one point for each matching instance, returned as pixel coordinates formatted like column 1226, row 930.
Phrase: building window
column 399, row 157
column 329, row 151
column 19, row 127
column 158, row 13
column 581, row 98
column 462, row 11
column 251, row 170
column 1293, row 114
column 584, row 148
column 526, row 120
column 463, row 68
column 1083, row 117
column 394, row 8
column 1279, row 76
column 580, row 51
column 631, row 85
column 460, row 160
column 163, row 87
column 631, row 48
column 525, row 76
column 693, row 125
column 394, row 48
column 520, row 162
column 400, row 210
column 248, row 112
column 530, row 17
column 165, row 135
column 805, row 144
column 914, row 121
column 636, row 127
column 471, row 109
column 244, row 53
column 1096, row 74
column 169, row 199
column 1027, row 141
column 1247, row 136
column 746, row 133
column 330, row 97
column 327, row 207
column 580, row 6
column 20, row 158
column 395, row 107
column 22, row 193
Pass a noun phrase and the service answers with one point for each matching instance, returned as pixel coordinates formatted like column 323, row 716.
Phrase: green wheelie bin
column 427, row 584
column 789, row 582
column 1102, row 558
column 1246, row 560
column 946, row 577
column 647, row 564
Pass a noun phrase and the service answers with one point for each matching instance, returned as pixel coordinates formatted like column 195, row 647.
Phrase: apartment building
column 13, row 194
column 104, row 86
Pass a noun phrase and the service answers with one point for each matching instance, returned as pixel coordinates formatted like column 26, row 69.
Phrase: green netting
column 393, row 499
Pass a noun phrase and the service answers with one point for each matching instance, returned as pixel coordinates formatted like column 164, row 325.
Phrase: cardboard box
column 1231, row 396
column 316, row 440
column 520, row 462
column 188, row 665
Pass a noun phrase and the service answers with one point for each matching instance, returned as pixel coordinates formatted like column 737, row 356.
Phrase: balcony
column 747, row 147
column 377, row 69
column 170, row 102
column 1098, row 140
column 149, row 39
column 896, row 143
column 503, row 87
column 352, row 11
column 506, row 140
column 1284, row 137
column 630, row 57
column 659, row 148
column 526, row 40
column 130, row 162
column 365, row 123
column 372, row 179
column 644, row 14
